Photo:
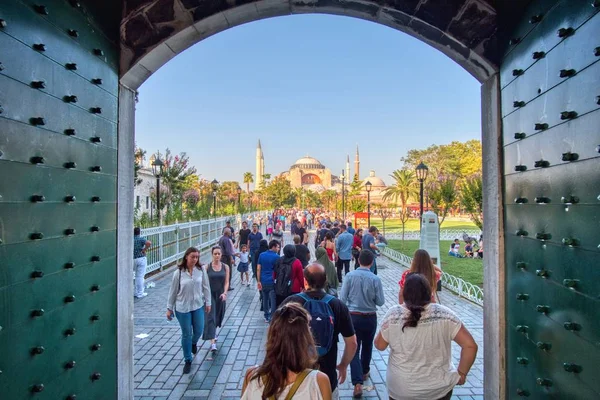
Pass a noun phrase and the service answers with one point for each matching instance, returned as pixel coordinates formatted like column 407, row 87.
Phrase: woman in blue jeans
column 188, row 297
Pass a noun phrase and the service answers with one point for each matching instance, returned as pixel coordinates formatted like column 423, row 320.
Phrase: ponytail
column 417, row 294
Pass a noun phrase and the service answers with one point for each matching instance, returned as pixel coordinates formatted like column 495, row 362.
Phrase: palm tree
column 265, row 178
column 404, row 188
column 248, row 179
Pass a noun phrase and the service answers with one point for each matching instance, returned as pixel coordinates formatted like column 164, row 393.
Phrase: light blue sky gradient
column 306, row 84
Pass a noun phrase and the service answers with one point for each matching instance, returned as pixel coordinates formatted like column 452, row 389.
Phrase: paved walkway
column 158, row 357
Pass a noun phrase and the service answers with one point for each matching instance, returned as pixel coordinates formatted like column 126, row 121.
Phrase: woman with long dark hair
column 189, row 297
column 422, row 264
column 218, row 273
column 291, row 356
column 419, row 334
column 329, row 245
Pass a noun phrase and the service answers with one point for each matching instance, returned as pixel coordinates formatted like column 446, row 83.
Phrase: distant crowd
column 310, row 299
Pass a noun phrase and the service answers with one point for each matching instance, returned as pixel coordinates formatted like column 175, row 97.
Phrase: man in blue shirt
column 350, row 229
column 362, row 292
column 254, row 239
column 140, row 245
column 343, row 248
column 264, row 277
column 368, row 243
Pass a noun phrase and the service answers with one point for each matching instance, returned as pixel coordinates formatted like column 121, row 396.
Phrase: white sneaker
column 213, row 347
column 142, row 296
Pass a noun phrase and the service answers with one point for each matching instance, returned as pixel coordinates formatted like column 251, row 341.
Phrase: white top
column 420, row 364
column 244, row 256
column 308, row 390
column 189, row 292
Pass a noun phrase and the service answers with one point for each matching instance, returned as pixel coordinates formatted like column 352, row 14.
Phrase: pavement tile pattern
column 159, row 361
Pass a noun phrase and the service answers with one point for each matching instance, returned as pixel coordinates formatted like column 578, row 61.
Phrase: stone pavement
column 158, row 357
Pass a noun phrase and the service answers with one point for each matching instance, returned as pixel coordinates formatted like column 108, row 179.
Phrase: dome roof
column 308, row 163
column 376, row 182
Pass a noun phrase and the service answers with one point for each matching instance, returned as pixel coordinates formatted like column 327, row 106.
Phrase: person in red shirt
column 357, row 246
column 296, row 277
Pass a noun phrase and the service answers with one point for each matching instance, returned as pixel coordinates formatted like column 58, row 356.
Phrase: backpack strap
column 327, row 298
column 304, row 296
column 299, row 379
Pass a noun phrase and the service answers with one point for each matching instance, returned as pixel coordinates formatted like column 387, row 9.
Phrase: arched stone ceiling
column 154, row 31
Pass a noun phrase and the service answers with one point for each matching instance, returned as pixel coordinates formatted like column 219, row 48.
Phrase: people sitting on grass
column 469, row 250
column 454, row 250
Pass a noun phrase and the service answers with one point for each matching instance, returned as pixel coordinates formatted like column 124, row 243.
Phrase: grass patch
column 413, row 224
column 470, row 270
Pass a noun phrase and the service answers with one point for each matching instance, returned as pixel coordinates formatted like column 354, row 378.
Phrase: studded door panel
column 58, row 167
column 550, row 79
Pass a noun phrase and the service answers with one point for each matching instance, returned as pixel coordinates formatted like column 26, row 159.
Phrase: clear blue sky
column 306, row 84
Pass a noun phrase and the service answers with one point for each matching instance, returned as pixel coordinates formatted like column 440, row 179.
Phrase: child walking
column 243, row 265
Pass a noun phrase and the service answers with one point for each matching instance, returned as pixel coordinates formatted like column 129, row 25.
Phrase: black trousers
column 342, row 265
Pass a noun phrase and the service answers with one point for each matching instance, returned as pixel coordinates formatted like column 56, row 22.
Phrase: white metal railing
column 457, row 285
column 445, row 234
column 170, row 242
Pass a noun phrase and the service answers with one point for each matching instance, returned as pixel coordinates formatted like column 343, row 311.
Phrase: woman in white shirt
column 419, row 334
column 287, row 371
column 188, row 297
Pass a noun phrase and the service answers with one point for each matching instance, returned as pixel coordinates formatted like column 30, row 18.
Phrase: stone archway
column 310, row 179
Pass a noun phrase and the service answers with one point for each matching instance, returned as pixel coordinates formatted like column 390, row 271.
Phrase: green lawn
column 471, row 270
column 413, row 224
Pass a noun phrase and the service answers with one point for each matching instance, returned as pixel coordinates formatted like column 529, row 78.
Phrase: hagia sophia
column 309, row 173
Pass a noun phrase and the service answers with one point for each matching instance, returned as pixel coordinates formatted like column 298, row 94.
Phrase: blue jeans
column 192, row 325
column 269, row 300
column 374, row 266
column 452, row 254
column 365, row 327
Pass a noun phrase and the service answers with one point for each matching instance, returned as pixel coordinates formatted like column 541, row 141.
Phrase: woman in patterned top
column 422, row 264
column 420, row 334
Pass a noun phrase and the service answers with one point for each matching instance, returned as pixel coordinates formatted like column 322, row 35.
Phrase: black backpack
column 283, row 283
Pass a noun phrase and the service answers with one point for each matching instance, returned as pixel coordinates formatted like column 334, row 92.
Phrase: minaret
column 348, row 178
column 357, row 165
column 260, row 167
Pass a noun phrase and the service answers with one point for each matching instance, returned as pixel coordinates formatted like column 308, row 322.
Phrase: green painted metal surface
column 550, row 79
column 58, row 167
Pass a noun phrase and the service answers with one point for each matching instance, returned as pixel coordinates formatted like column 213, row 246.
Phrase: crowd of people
column 309, row 302
column 473, row 248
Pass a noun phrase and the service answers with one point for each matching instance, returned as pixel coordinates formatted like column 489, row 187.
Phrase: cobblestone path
column 158, row 357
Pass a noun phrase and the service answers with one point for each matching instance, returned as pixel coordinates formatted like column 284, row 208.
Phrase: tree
column 327, row 197
column 471, row 199
column 139, row 156
column 266, row 178
column 385, row 211
column 248, row 179
column 175, row 172
column 443, row 197
column 404, row 188
column 279, row 193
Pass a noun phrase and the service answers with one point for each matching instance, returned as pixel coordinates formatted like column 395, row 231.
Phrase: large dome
column 376, row 182
column 308, row 163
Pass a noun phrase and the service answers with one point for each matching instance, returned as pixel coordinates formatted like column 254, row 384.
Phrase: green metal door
column 550, row 79
column 58, row 167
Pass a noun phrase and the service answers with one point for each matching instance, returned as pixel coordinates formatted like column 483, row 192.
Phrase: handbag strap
column 299, row 379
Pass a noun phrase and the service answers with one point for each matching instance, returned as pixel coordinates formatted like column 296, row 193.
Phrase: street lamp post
column 157, row 167
column 239, row 193
column 368, row 186
column 215, row 186
column 343, row 197
column 422, row 172
column 336, row 205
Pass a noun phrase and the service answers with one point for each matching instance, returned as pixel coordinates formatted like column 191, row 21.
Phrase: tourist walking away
column 362, row 292
column 302, row 251
column 140, row 245
column 243, row 235
column 301, row 231
column 419, row 334
column 350, row 229
column 264, row 275
column 330, row 271
column 278, row 234
column 422, row 264
column 343, row 248
column 368, row 243
column 329, row 246
column 288, row 275
column 357, row 246
column 288, row 368
column 227, row 252
column 218, row 274
column 189, row 297
column 263, row 246
column 254, row 238
column 243, row 265
column 329, row 318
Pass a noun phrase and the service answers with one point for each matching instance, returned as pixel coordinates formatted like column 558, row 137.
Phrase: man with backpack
column 362, row 292
column 288, row 275
column 329, row 318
